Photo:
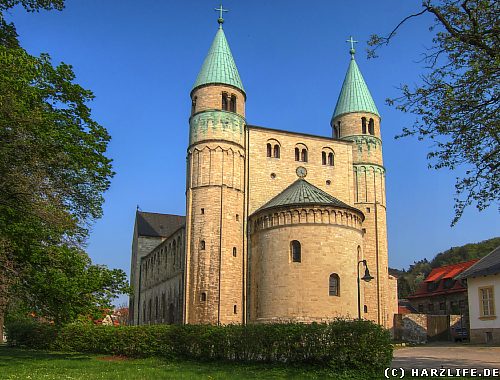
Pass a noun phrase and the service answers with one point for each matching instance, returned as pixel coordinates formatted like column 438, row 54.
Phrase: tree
column 53, row 173
column 457, row 103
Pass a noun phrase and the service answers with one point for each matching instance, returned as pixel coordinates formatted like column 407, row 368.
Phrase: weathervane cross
column 351, row 40
column 221, row 10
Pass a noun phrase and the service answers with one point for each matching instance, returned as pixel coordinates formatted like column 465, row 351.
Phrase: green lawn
column 27, row 364
column 38, row 365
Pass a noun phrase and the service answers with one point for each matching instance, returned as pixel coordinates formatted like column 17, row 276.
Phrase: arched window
column 365, row 309
column 193, row 105
column 150, row 311
column 339, row 131
column 144, row 312
column 330, row 159
column 276, row 151
column 297, row 154
column 233, row 103
column 334, row 285
column 269, row 150
column 303, row 155
column 225, row 101
column 371, row 127
column 323, row 158
column 235, row 309
column 164, row 306
column 296, row 251
column 157, row 308
column 234, row 251
column 336, row 134
column 202, row 245
column 363, row 125
column 203, row 297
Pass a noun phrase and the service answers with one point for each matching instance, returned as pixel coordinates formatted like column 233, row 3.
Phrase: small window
column 371, row 127
column 296, row 251
column 442, row 306
column 202, row 245
column 234, row 251
column 368, row 210
column 297, row 154
column 328, row 182
column 235, row 309
column 193, row 105
column 323, row 158
column 448, row 283
column 420, row 308
column 225, row 104
column 269, row 150
column 202, row 211
column 333, row 289
column 233, row 103
column 330, row 159
column 303, row 155
column 237, row 217
column 365, row 309
column 203, row 297
column 336, row 134
column 430, row 307
column 486, row 302
column 363, row 125
column 276, row 151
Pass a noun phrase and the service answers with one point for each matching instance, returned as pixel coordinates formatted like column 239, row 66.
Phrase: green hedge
column 342, row 345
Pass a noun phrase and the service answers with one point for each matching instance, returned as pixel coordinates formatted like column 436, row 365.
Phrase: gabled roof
column 354, row 96
column 488, row 265
column 158, row 225
column 219, row 66
column 449, row 271
column 433, row 286
column 302, row 193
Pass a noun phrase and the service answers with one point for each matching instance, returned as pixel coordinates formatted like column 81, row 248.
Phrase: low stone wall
column 419, row 328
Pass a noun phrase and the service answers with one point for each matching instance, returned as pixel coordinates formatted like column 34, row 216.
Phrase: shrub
column 340, row 345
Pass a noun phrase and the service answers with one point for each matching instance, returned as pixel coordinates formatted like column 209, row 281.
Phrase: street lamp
column 367, row 277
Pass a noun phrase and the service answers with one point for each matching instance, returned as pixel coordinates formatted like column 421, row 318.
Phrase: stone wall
column 161, row 286
column 416, row 328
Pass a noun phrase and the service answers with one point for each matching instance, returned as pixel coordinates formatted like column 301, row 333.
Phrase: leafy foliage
column 458, row 102
column 340, row 345
column 408, row 281
column 53, row 172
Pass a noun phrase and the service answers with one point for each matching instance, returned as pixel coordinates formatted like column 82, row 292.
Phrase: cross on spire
column 352, row 41
column 221, row 14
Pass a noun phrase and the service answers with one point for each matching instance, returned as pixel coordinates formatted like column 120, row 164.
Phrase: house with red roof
column 440, row 293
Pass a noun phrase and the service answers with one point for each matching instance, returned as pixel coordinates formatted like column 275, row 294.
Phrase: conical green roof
column 354, row 96
column 302, row 193
column 219, row 66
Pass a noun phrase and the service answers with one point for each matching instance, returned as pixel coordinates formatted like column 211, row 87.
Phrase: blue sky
column 141, row 59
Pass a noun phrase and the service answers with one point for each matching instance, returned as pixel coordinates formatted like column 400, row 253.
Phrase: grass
column 29, row 364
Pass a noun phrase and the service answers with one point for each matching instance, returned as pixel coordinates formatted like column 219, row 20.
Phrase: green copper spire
column 354, row 96
column 219, row 66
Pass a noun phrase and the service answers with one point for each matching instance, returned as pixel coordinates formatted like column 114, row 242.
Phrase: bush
column 30, row 334
column 340, row 345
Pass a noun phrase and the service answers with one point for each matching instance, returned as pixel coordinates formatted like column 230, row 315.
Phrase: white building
column 483, row 287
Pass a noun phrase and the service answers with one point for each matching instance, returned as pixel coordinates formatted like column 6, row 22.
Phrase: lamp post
column 367, row 277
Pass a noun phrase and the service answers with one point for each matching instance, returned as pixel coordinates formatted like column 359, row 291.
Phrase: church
column 280, row 226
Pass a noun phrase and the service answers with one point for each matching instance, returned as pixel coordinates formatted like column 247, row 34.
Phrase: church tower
column 356, row 119
column 215, row 191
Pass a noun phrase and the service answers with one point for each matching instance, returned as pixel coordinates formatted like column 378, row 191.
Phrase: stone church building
column 277, row 223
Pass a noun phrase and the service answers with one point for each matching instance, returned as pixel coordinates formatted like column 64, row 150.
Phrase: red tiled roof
column 404, row 310
column 449, row 271
column 443, row 273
